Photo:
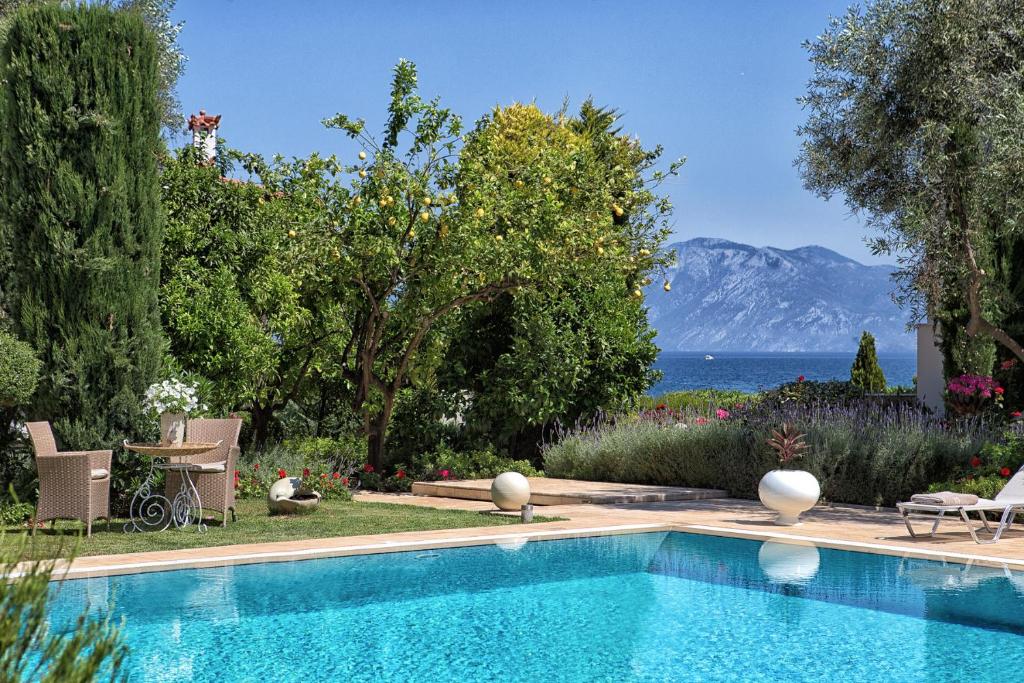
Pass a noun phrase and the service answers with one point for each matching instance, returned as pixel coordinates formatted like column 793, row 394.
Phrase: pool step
column 545, row 491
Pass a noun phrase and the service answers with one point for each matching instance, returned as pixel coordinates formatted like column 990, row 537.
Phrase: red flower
column 702, row 420
column 400, row 474
column 237, row 473
column 444, row 474
column 1015, row 413
column 282, row 474
column 801, row 378
column 1007, row 364
column 256, row 466
column 660, row 406
column 305, row 471
column 975, row 461
column 344, row 482
column 336, row 475
column 1005, row 471
column 722, row 414
column 999, row 390
column 323, row 476
column 367, row 467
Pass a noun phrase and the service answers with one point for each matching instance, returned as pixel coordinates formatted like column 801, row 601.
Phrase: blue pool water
column 638, row 607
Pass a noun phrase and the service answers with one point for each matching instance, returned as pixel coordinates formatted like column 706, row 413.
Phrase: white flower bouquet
column 172, row 396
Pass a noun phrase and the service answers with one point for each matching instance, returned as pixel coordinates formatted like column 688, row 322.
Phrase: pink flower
column 1007, row 364
column 999, row 390
column 801, row 378
column 722, row 414
column 701, row 420
column 444, row 474
column 1015, row 413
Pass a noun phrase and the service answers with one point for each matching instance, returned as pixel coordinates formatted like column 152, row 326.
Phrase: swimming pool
column 660, row 606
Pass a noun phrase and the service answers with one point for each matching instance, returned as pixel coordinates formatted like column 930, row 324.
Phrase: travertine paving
column 550, row 491
column 837, row 527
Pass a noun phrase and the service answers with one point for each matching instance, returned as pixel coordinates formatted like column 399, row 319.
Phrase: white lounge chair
column 1009, row 501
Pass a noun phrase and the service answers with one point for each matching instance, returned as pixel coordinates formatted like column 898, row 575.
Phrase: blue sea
column 652, row 607
column 684, row 370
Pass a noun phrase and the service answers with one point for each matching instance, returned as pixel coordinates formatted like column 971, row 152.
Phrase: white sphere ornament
column 788, row 492
column 510, row 491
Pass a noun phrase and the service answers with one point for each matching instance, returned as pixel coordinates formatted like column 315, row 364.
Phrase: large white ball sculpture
column 510, row 491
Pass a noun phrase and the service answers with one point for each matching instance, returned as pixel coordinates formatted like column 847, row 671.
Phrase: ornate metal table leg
column 187, row 507
column 148, row 511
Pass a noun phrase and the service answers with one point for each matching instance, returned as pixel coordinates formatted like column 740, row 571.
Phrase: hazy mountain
column 734, row 297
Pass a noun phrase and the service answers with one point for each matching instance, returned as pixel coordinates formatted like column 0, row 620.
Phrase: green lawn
column 254, row 525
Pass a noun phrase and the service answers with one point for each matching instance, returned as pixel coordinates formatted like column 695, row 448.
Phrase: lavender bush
column 861, row 451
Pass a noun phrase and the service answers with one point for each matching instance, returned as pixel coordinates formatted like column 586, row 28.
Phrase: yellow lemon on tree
column 392, row 221
column 637, row 294
column 519, row 183
column 383, row 203
column 479, row 213
column 617, row 209
column 412, row 234
column 292, row 233
column 667, row 287
column 362, row 174
column 498, row 238
column 547, row 180
column 645, row 252
column 357, row 200
column 424, row 216
column 600, row 250
column 443, row 232
column 362, row 155
column 427, row 201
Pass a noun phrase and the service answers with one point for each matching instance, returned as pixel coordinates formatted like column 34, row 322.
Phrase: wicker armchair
column 212, row 472
column 72, row 484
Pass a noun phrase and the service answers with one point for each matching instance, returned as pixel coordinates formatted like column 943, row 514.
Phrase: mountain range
column 727, row 296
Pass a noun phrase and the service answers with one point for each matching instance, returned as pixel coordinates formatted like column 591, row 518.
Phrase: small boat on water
column 709, row 357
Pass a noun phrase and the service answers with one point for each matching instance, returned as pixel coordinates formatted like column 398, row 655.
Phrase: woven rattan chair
column 72, row 484
column 212, row 472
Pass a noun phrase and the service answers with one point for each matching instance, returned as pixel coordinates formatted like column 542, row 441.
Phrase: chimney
column 204, row 133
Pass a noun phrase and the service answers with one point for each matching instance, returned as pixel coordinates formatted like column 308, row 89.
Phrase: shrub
column 699, row 400
column 15, row 513
column 19, row 371
column 861, row 453
column 446, row 463
column 866, row 373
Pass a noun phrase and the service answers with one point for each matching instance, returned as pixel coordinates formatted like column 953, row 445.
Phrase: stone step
column 545, row 491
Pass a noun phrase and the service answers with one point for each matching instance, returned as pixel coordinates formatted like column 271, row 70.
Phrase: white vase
column 788, row 492
column 172, row 429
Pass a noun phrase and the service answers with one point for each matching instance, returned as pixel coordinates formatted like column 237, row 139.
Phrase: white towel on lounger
column 944, row 498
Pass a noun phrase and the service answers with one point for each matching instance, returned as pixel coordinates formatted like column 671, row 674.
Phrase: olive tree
column 915, row 109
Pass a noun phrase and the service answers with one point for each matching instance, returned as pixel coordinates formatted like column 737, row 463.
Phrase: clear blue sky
column 713, row 81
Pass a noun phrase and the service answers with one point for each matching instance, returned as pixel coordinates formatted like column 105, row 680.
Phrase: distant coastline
column 756, row 370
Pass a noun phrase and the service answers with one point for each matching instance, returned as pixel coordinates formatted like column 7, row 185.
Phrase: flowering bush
column 970, row 394
column 172, row 396
column 255, row 482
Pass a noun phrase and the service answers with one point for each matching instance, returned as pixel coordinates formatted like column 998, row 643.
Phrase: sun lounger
column 1009, row 502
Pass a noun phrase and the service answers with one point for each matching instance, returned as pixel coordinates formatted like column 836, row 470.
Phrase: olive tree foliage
column 915, row 109
column 431, row 220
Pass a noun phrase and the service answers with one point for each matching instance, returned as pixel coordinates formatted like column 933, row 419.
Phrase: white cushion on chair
column 208, row 467
column 99, row 473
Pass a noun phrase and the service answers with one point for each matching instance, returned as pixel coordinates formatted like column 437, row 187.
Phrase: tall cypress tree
column 80, row 203
column 866, row 373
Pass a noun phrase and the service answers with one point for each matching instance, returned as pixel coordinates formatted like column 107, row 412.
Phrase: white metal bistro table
column 151, row 510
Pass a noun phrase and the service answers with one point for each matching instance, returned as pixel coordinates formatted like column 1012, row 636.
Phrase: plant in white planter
column 788, row 492
column 172, row 400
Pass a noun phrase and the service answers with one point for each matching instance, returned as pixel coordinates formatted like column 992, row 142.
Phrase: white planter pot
column 172, row 429
column 788, row 492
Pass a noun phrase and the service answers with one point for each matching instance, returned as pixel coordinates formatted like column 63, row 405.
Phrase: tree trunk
column 377, row 432
column 261, row 417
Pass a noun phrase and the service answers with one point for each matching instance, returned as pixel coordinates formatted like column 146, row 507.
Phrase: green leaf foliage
column 81, row 208
column 19, row 371
column 866, row 373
